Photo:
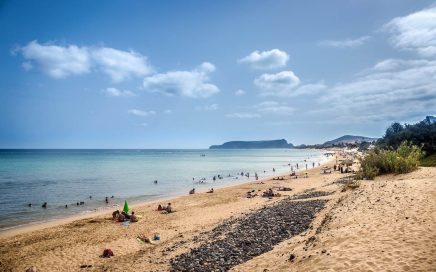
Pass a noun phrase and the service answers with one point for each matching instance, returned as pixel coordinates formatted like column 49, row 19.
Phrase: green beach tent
column 126, row 207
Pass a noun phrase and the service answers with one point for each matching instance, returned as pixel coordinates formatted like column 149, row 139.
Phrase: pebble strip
column 312, row 194
column 249, row 236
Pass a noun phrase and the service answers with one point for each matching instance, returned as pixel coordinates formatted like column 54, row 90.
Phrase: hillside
column 282, row 143
column 349, row 139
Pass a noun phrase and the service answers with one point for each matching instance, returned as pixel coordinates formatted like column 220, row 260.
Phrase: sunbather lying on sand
column 250, row 194
column 270, row 193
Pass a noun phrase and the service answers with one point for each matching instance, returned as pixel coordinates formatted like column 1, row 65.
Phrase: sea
column 68, row 177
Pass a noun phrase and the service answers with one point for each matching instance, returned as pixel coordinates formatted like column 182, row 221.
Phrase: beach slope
column 383, row 225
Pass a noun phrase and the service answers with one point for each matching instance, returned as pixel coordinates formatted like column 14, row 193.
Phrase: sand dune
column 385, row 225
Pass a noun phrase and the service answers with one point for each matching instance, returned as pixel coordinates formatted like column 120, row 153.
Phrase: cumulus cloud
column 243, row 115
column 57, row 61
column 141, row 113
column 272, row 59
column 211, row 107
column 121, row 65
column 280, row 84
column 346, row 43
column 117, row 93
column 60, row 61
column 193, row 83
column 239, row 92
column 416, row 32
column 391, row 90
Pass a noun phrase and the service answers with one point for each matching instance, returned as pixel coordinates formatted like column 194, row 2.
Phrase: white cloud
column 273, row 107
column 280, row 84
column 183, row 83
column 121, row 65
column 239, row 92
column 117, row 93
column 394, row 64
column 168, row 111
column 392, row 90
column 141, row 113
column 347, row 43
column 60, row 61
column 309, row 89
column 279, row 110
column 57, row 61
column 272, row 59
column 211, row 107
column 264, row 108
column 416, row 32
column 242, row 115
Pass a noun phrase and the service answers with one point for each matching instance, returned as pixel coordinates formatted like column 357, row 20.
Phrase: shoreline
column 35, row 226
column 380, row 224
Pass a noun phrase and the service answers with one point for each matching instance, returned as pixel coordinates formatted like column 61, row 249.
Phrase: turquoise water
column 65, row 177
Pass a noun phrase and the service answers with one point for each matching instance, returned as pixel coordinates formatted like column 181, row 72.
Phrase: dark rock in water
column 238, row 240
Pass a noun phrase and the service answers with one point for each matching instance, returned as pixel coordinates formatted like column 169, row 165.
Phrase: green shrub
column 379, row 161
column 428, row 161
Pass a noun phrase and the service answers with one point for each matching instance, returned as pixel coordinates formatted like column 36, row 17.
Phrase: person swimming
column 44, row 205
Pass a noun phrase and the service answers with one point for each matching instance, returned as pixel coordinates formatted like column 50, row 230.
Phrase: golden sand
column 384, row 225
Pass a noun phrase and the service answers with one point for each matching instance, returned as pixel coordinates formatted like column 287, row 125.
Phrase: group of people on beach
column 167, row 209
column 123, row 216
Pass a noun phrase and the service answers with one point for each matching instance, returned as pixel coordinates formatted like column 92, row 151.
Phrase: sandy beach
column 383, row 225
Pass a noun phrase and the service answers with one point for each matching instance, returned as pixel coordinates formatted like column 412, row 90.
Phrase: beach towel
column 144, row 239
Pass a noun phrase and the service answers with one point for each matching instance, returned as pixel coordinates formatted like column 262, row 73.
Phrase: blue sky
column 188, row 74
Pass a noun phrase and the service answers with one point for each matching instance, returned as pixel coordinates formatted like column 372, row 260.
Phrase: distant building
column 430, row 119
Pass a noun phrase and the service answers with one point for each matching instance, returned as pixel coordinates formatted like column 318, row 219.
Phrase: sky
column 189, row 74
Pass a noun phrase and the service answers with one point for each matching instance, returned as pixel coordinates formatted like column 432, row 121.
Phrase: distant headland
column 282, row 143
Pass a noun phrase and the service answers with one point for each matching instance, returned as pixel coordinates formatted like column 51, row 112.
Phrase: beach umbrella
column 126, row 207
